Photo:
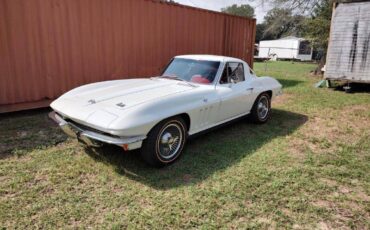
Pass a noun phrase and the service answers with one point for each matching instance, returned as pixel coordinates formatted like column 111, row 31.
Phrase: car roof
column 209, row 57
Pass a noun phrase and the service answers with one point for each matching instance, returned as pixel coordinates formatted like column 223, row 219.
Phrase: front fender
column 140, row 119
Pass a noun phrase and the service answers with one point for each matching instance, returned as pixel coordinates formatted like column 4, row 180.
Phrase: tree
column 280, row 22
column 244, row 10
column 295, row 5
column 260, row 30
column 317, row 27
column 313, row 20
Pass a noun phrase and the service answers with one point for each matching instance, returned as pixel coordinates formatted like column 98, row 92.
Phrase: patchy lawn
column 309, row 167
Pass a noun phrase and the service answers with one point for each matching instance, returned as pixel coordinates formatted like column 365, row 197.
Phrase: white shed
column 348, row 56
column 286, row 48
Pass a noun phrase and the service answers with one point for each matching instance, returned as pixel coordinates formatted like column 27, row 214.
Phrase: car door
column 234, row 91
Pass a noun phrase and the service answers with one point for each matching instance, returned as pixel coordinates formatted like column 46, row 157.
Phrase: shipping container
column 286, row 48
column 51, row 46
column 348, row 56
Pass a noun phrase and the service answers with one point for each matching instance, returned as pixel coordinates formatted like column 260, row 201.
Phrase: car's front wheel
column 261, row 110
column 165, row 142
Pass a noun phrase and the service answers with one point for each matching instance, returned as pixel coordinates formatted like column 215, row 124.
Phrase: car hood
column 94, row 103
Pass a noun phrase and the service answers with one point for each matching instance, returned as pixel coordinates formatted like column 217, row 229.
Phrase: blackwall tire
column 165, row 142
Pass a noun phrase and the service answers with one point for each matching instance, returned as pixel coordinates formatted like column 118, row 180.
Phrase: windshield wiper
column 172, row 77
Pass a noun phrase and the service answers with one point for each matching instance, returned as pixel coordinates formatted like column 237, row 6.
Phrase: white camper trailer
column 286, row 48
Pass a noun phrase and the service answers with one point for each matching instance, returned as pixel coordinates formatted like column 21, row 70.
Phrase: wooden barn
column 348, row 57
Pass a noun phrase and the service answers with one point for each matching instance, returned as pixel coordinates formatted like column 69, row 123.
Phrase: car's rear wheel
column 261, row 110
column 165, row 142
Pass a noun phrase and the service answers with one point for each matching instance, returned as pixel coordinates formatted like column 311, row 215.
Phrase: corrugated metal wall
column 51, row 46
column 348, row 54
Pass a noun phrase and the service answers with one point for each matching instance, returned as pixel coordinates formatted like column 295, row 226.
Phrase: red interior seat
column 199, row 79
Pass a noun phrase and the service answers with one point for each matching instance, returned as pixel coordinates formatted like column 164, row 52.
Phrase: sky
column 216, row 5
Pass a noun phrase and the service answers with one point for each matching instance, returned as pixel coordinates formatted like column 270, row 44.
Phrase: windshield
column 198, row 71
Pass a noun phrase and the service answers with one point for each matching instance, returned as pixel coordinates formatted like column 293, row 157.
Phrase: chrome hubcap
column 170, row 141
column 263, row 107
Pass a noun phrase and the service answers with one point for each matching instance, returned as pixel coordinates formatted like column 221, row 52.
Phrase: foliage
column 317, row 27
column 281, row 22
column 312, row 20
column 298, row 5
column 260, row 30
column 244, row 10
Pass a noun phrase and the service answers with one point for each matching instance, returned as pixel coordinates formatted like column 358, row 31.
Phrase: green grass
column 309, row 167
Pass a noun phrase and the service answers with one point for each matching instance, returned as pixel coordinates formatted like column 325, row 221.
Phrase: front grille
column 84, row 127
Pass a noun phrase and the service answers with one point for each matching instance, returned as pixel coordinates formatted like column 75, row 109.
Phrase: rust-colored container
column 48, row 47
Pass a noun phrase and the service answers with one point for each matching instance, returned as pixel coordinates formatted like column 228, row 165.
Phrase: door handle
column 249, row 89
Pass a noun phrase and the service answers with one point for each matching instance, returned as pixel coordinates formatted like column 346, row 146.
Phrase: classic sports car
column 194, row 93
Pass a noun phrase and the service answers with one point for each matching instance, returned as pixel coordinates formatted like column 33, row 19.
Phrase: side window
column 233, row 73
column 304, row 48
column 224, row 78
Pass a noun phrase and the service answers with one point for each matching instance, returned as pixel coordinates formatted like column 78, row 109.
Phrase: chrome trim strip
column 89, row 136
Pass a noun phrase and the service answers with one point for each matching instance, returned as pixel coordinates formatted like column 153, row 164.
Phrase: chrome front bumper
column 95, row 139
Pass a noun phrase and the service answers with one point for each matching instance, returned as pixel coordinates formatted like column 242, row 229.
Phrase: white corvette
column 194, row 93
